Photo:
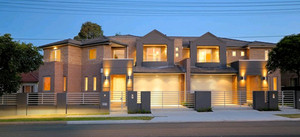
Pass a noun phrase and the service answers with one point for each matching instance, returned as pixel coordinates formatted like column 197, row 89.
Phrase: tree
column 89, row 30
column 16, row 58
column 286, row 55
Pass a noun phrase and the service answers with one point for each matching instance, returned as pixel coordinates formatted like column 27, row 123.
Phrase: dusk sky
column 42, row 22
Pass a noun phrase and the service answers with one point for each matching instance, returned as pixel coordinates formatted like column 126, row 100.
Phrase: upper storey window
column 266, row 54
column 206, row 54
column 92, row 54
column 118, row 53
column 55, row 55
column 155, row 52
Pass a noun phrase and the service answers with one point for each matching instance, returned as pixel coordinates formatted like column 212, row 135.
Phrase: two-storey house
column 158, row 63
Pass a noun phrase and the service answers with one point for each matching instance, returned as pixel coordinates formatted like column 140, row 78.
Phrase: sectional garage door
column 220, row 85
column 165, row 89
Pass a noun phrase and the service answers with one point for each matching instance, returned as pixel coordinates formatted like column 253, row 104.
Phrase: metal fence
column 85, row 98
column 286, row 98
column 8, row 99
column 169, row 99
column 41, row 99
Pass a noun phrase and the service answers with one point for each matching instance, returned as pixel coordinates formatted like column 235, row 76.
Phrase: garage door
column 165, row 89
column 220, row 85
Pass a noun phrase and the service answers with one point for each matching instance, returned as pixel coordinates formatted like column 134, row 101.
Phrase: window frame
column 89, row 54
column 94, row 83
column 233, row 53
column 163, row 53
column 65, row 84
column 45, row 83
column 206, row 48
column 242, row 53
column 86, row 83
column 56, row 53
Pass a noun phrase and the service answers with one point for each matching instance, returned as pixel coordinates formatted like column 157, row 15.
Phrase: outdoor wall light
column 242, row 78
column 128, row 77
column 105, row 77
column 264, row 78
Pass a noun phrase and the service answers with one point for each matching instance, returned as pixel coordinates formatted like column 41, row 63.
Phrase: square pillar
column 146, row 101
column 259, row 100
column 21, row 103
column 202, row 100
column 104, row 100
column 132, row 102
column 273, row 100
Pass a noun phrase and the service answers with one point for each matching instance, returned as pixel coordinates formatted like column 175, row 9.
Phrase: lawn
column 289, row 115
column 73, row 119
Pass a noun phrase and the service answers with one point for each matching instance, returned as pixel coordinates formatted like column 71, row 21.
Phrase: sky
column 46, row 21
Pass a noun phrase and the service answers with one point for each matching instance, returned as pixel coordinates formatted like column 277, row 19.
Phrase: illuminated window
column 208, row 54
column 242, row 53
column 92, row 54
column 266, row 54
column 47, row 83
column 65, row 83
column 155, row 53
column 86, row 82
column 275, row 83
column 118, row 53
column 95, row 84
column 55, row 55
column 233, row 53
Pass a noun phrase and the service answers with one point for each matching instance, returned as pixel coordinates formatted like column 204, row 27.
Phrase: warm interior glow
column 242, row 53
column 208, row 54
column 47, row 83
column 55, row 55
column 86, row 81
column 118, row 53
column 92, row 54
column 95, row 83
column 118, row 88
column 65, row 83
column 155, row 53
column 266, row 54
column 275, row 83
column 233, row 53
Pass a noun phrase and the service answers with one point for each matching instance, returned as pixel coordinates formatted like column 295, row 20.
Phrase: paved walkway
column 189, row 115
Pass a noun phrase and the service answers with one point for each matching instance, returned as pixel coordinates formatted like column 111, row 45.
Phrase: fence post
column 83, row 98
column 42, row 98
column 2, row 99
column 282, row 99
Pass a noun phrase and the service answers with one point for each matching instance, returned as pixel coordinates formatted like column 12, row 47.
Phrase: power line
column 265, row 36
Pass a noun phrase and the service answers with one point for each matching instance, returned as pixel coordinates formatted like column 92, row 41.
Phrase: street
column 279, row 128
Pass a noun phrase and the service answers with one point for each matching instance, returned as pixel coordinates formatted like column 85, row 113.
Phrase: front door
column 253, row 84
column 118, row 91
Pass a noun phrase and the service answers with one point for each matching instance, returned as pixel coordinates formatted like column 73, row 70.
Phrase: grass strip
column 289, row 115
column 74, row 119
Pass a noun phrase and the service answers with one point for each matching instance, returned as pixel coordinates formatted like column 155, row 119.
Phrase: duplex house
column 160, row 64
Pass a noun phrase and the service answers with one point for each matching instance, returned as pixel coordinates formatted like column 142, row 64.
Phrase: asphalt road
column 272, row 129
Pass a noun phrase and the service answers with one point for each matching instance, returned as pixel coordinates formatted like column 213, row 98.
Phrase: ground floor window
column 47, row 83
column 86, row 81
column 275, row 83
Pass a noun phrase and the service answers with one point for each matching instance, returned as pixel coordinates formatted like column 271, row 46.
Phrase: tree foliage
column 89, row 30
column 16, row 58
column 286, row 55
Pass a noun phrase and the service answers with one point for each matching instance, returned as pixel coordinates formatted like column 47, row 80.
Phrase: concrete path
column 189, row 115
